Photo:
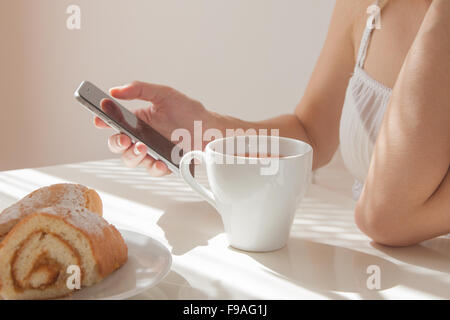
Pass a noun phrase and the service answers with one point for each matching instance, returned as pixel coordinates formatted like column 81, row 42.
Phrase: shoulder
column 352, row 12
column 351, row 16
column 353, row 8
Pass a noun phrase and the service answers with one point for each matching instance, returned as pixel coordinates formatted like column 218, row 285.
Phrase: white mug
column 256, row 197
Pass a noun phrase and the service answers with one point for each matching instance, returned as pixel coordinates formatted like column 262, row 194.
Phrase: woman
column 387, row 105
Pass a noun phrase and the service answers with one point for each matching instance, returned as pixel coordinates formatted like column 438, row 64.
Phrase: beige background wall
column 247, row 58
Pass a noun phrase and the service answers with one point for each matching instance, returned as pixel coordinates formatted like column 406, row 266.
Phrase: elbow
column 319, row 162
column 381, row 224
column 321, row 159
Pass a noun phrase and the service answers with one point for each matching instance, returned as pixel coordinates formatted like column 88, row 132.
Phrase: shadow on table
column 134, row 184
column 328, row 269
column 186, row 221
column 175, row 286
column 433, row 254
column 189, row 224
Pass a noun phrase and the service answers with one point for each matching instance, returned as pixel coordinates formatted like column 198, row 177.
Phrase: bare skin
column 409, row 201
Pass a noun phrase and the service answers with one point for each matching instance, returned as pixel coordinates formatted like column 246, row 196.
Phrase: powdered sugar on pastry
column 67, row 195
column 80, row 218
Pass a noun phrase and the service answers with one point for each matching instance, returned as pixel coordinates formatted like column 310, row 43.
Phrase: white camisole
column 364, row 106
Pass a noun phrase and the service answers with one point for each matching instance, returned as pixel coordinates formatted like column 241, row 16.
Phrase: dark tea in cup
column 259, row 155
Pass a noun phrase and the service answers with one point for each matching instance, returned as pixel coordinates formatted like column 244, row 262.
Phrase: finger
column 143, row 114
column 99, row 123
column 119, row 143
column 154, row 167
column 110, row 108
column 158, row 169
column 147, row 162
column 134, row 155
column 144, row 91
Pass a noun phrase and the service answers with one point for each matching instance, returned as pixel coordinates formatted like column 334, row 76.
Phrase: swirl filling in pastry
column 42, row 261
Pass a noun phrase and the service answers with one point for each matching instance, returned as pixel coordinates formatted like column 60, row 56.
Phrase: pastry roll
column 65, row 195
column 36, row 254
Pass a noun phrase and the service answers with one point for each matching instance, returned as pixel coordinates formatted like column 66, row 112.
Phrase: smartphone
column 123, row 121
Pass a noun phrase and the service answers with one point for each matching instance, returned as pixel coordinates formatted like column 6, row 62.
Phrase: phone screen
column 123, row 120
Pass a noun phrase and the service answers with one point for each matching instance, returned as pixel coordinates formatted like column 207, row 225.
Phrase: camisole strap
column 366, row 39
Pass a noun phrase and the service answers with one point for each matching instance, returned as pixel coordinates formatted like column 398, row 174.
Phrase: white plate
column 148, row 263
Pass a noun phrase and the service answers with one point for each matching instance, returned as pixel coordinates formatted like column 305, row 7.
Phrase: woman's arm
column 406, row 197
column 316, row 118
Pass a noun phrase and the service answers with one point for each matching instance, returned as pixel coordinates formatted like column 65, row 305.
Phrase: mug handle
column 187, row 176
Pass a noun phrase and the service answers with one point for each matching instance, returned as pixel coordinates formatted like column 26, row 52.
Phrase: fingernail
column 136, row 148
column 119, row 142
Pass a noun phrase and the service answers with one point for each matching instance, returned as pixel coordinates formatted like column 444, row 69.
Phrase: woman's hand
column 169, row 110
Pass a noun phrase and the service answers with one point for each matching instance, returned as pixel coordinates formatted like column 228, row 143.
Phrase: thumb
column 153, row 93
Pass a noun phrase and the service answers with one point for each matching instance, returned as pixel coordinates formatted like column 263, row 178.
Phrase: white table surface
column 326, row 257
